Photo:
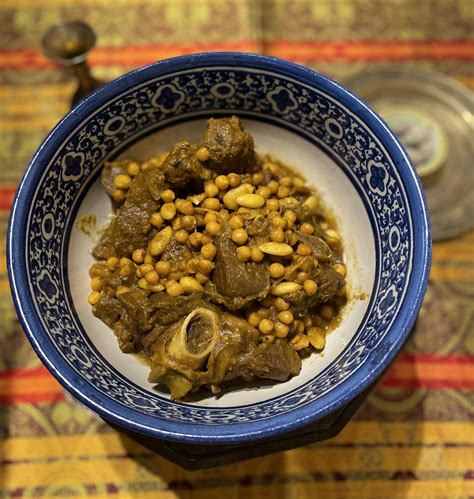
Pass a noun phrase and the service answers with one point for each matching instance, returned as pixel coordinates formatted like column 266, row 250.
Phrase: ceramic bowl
column 304, row 118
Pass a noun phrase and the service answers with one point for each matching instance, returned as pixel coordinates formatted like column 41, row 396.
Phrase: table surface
column 413, row 437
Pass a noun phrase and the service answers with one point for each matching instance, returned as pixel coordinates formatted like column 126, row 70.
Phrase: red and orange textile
column 414, row 435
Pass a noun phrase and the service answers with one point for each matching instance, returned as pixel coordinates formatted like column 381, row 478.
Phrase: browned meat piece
column 112, row 312
column 130, row 228
column 177, row 253
column 170, row 309
column 276, row 361
column 230, row 147
column 128, row 314
column 320, row 249
column 104, row 248
column 156, row 183
column 181, row 166
column 230, row 351
column 108, row 310
column 127, row 334
column 152, row 336
column 232, row 303
column 328, row 281
column 237, row 282
column 238, row 354
column 138, row 308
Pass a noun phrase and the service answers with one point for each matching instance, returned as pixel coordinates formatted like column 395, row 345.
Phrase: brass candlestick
column 69, row 44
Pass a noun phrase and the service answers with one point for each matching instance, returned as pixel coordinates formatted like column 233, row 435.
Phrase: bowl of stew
column 218, row 248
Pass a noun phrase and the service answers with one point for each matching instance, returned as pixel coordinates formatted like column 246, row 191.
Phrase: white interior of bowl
column 338, row 194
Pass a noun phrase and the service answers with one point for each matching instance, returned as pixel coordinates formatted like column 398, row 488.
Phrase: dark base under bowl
column 196, row 457
column 200, row 456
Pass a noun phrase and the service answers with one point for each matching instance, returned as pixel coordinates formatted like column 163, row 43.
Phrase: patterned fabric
column 413, row 437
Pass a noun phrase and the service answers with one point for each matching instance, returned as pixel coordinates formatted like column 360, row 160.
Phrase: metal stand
column 195, row 456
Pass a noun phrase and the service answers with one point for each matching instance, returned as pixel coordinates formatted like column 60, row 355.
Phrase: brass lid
column 433, row 117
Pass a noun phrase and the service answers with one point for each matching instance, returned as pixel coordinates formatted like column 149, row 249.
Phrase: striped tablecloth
column 414, row 436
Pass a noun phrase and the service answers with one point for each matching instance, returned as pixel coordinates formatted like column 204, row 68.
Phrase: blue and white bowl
column 300, row 116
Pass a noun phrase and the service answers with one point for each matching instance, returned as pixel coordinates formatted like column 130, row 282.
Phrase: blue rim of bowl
column 223, row 433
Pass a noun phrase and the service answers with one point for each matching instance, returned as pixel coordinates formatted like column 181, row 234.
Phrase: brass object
column 69, row 44
column 434, row 108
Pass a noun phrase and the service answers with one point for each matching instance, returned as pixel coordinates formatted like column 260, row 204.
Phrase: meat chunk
column 235, row 353
column 182, row 166
column 108, row 310
column 113, row 313
column 238, row 354
column 138, row 308
column 156, row 184
column 237, row 282
column 230, row 148
column 276, row 361
column 176, row 252
column 130, row 228
column 328, row 281
column 104, row 248
column 170, row 309
column 242, row 280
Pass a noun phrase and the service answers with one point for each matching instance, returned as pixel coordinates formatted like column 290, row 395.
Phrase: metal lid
column 433, row 117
